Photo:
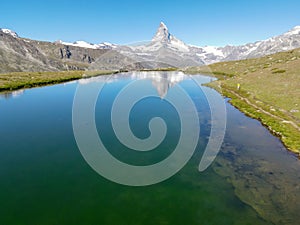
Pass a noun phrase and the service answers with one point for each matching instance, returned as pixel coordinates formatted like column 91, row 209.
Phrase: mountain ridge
column 164, row 50
column 213, row 54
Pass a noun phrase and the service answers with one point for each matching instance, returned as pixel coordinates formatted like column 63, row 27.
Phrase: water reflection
column 13, row 94
column 162, row 81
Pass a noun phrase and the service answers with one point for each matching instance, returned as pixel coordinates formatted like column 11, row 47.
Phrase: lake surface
column 44, row 179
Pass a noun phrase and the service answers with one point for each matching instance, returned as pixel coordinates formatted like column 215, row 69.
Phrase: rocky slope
column 19, row 54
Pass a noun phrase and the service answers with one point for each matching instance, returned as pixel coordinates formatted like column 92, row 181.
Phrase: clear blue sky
column 195, row 22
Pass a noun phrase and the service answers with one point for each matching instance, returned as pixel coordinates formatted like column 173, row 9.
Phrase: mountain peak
column 10, row 32
column 294, row 30
column 163, row 25
column 162, row 34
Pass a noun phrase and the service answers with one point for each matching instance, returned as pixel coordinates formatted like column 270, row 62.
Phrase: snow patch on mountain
column 213, row 50
column 84, row 44
column 295, row 30
column 10, row 32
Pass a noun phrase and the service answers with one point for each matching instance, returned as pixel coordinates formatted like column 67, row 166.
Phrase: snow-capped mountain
column 287, row 41
column 166, row 50
column 10, row 32
column 163, row 37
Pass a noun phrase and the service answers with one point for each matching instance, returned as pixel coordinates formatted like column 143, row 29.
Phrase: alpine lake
column 45, row 180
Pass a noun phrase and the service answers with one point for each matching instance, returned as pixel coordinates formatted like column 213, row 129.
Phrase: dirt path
column 262, row 110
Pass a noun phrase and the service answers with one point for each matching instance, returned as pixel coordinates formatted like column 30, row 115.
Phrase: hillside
column 266, row 88
column 20, row 54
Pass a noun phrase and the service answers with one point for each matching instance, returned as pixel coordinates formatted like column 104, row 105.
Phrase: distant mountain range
column 164, row 50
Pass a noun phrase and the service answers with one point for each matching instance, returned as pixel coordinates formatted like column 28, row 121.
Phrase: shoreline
column 266, row 118
column 25, row 80
column 265, row 89
column 286, row 130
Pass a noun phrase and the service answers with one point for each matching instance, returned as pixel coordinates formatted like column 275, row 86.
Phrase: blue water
column 45, row 179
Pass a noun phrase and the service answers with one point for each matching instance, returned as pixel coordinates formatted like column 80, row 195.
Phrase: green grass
column 279, row 71
column 269, row 91
column 289, row 135
column 19, row 80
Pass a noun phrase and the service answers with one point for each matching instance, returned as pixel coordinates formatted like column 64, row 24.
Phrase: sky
column 197, row 22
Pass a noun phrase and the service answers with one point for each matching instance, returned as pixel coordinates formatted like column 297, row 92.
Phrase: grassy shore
column 19, row 80
column 267, row 89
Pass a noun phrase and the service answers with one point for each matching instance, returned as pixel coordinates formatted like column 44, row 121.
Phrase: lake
column 45, row 179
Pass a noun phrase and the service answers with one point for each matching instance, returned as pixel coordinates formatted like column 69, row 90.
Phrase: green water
column 45, row 180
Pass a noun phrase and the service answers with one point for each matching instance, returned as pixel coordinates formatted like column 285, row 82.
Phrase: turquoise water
column 45, row 180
